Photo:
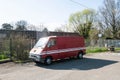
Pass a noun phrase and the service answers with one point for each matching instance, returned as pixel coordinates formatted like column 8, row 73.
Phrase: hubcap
column 48, row 61
column 80, row 55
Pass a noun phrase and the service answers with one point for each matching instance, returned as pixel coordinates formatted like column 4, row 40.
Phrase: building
column 34, row 34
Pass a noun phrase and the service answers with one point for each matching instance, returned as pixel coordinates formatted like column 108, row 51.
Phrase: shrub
column 3, row 56
column 20, row 47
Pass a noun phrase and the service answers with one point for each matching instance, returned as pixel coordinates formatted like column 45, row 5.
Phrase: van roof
column 60, row 36
column 48, row 36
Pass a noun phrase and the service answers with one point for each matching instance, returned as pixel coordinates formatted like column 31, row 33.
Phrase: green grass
column 117, row 48
column 3, row 56
column 5, row 59
column 96, row 49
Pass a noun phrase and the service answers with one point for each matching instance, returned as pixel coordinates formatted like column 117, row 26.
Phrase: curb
column 5, row 61
column 22, row 61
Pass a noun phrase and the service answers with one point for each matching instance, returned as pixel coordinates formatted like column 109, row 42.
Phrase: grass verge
column 96, row 49
column 117, row 49
column 20, row 61
column 5, row 59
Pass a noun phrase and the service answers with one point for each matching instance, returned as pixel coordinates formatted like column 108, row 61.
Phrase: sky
column 51, row 13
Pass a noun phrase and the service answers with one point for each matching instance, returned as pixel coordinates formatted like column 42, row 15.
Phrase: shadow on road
column 76, row 64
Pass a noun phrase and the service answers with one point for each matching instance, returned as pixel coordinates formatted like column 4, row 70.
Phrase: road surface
column 103, row 66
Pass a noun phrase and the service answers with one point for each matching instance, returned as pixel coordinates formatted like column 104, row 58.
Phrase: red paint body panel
column 64, row 47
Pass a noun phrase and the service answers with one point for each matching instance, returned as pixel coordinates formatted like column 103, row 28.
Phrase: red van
column 53, row 48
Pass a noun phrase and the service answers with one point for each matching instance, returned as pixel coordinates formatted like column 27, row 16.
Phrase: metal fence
column 15, row 49
column 115, row 43
column 8, row 46
column 4, row 49
column 102, row 43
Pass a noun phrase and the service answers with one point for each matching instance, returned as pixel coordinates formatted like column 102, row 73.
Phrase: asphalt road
column 103, row 66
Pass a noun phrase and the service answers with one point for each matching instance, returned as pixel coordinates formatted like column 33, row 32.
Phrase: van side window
column 52, row 42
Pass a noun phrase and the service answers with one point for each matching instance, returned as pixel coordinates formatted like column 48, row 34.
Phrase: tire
column 48, row 61
column 37, row 63
column 80, row 55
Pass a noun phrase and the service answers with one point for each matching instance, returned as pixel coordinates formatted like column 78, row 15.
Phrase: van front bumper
column 36, row 57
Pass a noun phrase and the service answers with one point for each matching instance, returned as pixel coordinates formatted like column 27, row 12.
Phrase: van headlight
column 38, row 56
column 35, row 57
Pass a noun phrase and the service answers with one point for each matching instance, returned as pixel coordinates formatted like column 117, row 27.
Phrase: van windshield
column 41, row 42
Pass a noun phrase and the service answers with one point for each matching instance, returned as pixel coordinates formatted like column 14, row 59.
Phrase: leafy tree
column 110, row 17
column 82, row 21
column 93, row 35
column 7, row 26
column 21, row 25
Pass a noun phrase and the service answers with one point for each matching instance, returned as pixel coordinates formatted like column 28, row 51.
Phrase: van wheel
column 48, row 60
column 80, row 55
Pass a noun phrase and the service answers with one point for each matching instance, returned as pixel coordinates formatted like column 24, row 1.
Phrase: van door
column 62, row 47
column 52, row 48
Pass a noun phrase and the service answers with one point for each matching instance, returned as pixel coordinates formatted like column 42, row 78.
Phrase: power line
column 79, row 4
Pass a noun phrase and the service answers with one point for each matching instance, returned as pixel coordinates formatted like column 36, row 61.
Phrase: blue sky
column 51, row 13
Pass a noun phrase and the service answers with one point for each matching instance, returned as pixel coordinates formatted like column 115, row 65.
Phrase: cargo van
column 53, row 48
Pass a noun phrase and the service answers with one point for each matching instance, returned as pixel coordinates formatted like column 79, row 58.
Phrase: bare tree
column 21, row 25
column 59, row 29
column 41, row 27
column 63, row 28
column 110, row 17
column 31, row 27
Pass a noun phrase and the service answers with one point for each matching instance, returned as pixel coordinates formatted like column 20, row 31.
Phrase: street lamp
column 100, row 35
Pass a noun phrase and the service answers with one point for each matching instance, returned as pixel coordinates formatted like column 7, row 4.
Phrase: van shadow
column 76, row 64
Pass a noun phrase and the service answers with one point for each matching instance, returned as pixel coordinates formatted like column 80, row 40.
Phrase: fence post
column 10, row 49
